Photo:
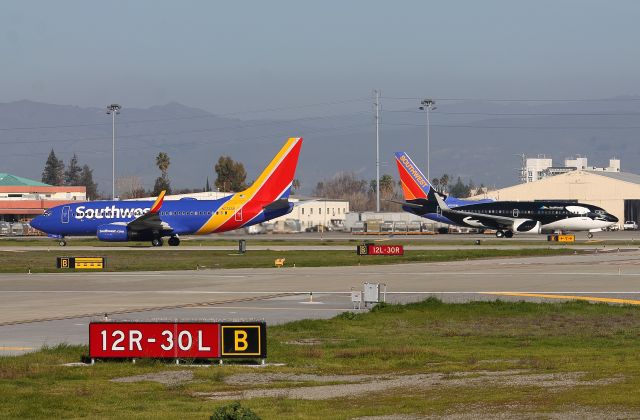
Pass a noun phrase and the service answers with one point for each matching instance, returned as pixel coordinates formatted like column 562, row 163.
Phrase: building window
column 302, row 210
column 311, row 211
column 319, row 210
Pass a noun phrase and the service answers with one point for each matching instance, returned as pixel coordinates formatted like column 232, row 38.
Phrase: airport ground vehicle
column 119, row 221
column 630, row 225
column 506, row 217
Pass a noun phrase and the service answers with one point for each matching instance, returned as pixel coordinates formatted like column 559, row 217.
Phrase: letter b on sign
column 244, row 340
column 240, row 342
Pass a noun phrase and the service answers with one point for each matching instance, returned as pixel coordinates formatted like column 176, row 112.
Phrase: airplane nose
column 611, row 218
column 36, row 222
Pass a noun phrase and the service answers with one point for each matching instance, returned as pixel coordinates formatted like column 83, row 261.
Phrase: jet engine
column 114, row 232
column 526, row 226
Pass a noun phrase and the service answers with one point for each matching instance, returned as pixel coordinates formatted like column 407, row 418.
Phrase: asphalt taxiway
column 37, row 309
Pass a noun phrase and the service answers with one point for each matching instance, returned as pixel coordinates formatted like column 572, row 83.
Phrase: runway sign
column 561, row 238
column 244, row 340
column 82, row 263
column 194, row 340
column 372, row 249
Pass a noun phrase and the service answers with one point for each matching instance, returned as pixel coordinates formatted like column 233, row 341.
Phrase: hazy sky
column 240, row 55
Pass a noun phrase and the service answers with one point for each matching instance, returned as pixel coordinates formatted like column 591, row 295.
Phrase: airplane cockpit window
column 46, row 213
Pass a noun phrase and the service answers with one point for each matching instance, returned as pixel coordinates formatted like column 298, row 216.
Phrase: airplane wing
column 151, row 220
column 487, row 220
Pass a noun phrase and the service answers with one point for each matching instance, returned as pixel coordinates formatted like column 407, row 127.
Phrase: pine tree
column 86, row 180
column 53, row 173
column 207, row 187
column 73, row 172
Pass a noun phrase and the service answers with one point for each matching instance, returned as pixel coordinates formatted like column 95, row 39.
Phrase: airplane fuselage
column 185, row 217
column 548, row 215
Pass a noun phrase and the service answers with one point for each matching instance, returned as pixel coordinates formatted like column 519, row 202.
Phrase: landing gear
column 62, row 242
column 157, row 242
column 589, row 235
column 508, row 234
column 174, row 241
column 499, row 234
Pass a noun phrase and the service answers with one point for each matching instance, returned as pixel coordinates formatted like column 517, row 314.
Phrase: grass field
column 482, row 359
column 144, row 260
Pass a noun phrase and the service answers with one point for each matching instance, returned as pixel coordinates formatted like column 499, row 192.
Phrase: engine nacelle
column 526, row 226
column 113, row 233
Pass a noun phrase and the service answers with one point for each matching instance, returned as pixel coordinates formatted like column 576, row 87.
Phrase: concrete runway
column 42, row 309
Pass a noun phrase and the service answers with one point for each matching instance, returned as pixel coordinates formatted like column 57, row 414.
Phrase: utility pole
column 113, row 110
column 376, row 103
column 428, row 105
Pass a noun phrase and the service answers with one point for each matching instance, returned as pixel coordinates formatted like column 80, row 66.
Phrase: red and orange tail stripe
column 158, row 203
column 414, row 183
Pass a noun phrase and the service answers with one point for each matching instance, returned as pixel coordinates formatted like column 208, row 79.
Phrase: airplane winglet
column 443, row 206
column 158, row 203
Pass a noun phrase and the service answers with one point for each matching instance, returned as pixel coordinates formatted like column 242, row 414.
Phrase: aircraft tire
column 499, row 234
column 589, row 235
column 508, row 234
column 174, row 241
column 62, row 243
column 157, row 242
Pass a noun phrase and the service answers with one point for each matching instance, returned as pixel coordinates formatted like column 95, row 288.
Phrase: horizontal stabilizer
column 280, row 204
column 407, row 204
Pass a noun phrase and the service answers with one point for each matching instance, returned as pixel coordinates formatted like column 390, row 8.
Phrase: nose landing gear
column 174, row 241
column 589, row 235
column 157, row 242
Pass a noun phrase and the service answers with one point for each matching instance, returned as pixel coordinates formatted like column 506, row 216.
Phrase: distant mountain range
column 477, row 140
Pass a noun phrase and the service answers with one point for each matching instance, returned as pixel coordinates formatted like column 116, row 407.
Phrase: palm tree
column 163, row 162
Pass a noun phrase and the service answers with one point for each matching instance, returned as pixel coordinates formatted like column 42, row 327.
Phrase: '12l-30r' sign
column 372, row 249
column 205, row 340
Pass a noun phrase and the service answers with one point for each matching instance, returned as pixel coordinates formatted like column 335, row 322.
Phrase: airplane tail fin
column 275, row 181
column 414, row 184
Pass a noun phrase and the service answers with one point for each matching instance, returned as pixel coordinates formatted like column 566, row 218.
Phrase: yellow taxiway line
column 551, row 296
column 10, row 348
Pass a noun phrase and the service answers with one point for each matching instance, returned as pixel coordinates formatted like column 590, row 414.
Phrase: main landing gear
column 173, row 241
column 504, row 234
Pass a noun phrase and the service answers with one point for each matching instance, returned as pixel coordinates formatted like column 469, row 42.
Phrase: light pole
column 113, row 110
column 376, row 103
column 428, row 105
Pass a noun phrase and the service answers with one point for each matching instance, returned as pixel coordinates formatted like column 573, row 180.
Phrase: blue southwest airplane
column 120, row 221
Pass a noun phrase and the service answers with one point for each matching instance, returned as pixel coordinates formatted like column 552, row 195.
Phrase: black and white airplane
column 506, row 217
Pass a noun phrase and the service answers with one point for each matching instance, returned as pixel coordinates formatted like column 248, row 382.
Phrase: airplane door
column 239, row 215
column 438, row 210
column 65, row 214
column 516, row 212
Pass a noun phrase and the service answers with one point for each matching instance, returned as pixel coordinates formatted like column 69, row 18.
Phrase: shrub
column 234, row 411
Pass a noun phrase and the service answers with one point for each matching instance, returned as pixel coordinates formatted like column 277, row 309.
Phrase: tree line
column 231, row 177
column 54, row 173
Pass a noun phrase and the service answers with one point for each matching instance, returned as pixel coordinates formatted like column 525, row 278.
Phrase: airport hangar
column 616, row 192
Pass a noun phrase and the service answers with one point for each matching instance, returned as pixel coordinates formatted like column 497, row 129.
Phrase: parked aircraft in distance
column 120, row 221
column 506, row 217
